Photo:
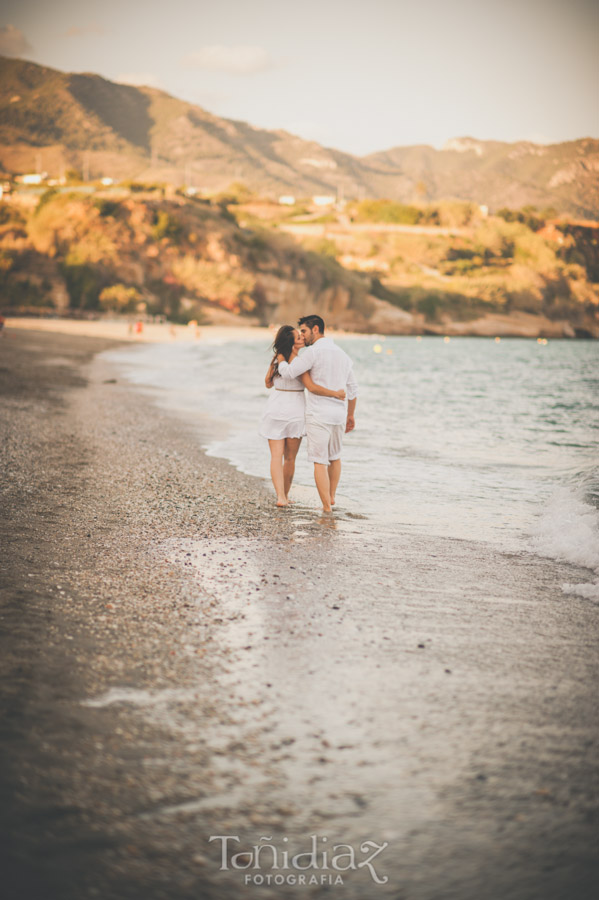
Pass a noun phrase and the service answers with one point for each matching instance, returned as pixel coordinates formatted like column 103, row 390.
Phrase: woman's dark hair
column 283, row 344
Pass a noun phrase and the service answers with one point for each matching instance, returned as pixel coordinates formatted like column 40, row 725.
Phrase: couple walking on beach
column 327, row 373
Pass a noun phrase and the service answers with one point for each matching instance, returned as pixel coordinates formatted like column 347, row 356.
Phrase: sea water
column 470, row 438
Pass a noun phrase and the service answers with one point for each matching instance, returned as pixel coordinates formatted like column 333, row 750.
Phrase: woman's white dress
column 285, row 413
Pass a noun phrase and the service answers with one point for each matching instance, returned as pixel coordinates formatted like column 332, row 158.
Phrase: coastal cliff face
column 384, row 318
column 139, row 253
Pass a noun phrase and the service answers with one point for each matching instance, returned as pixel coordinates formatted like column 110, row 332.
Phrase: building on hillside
column 32, row 178
column 324, row 200
column 287, row 200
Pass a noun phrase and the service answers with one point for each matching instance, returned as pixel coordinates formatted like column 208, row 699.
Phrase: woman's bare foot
column 283, row 502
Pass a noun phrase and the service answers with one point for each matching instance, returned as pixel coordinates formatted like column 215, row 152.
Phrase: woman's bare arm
column 268, row 381
column 319, row 389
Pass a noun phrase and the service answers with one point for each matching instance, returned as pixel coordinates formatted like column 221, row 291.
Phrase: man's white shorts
column 324, row 441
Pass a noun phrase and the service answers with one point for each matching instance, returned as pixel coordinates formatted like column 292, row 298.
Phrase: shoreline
column 182, row 660
column 121, row 330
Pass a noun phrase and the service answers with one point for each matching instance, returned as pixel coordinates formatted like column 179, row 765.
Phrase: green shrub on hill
column 447, row 214
column 83, row 283
column 119, row 298
column 107, row 208
column 140, row 187
column 528, row 215
column 430, row 305
column 387, row 211
column 24, row 294
column 74, row 176
column 6, row 263
column 256, row 244
column 46, row 197
column 455, row 214
column 166, row 225
column 581, row 247
column 236, row 193
column 495, row 240
column 323, row 246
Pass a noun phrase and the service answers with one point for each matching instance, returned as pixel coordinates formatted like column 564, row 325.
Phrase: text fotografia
column 265, row 863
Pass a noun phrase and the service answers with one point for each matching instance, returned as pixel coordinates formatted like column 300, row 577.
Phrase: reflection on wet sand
column 347, row 695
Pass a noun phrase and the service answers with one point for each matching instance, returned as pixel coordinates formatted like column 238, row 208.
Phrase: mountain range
column 52, row 120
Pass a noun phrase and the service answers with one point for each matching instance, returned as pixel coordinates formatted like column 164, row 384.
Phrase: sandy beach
column 124, row 330
column 179, row 660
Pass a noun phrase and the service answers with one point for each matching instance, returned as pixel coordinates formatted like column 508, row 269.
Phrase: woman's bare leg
column 292, row 445
column 276, row 470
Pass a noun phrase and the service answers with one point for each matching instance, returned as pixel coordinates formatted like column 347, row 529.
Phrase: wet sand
column 181, row 660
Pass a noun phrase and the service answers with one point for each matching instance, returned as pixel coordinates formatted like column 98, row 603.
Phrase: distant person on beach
column 284, row 421
column 326, row 417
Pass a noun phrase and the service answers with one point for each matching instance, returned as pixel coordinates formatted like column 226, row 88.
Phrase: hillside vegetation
column 138, row 252
column 510, row 262
column 180, row 258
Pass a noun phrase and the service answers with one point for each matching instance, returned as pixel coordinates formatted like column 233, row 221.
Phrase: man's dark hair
column 312, row 322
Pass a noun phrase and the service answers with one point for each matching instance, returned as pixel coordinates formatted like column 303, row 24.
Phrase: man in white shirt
column 326, row 417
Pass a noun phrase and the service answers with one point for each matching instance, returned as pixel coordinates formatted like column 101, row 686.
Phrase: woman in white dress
column 283, row 423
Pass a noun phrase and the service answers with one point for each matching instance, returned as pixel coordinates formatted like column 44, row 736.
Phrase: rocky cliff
column 188, row 259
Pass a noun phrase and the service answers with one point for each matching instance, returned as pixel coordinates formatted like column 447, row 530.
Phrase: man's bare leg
column 321, row 477
column 334, row 476
column 291, row 447
column 276, row 470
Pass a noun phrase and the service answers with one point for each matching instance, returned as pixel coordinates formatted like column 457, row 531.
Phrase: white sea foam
column 461, row 449
column 588, row 591
column 568, row 531
column 137, row 697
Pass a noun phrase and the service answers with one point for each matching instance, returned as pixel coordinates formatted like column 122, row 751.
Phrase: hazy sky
column 359, row 75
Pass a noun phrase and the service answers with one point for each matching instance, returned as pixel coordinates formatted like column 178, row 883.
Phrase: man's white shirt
column 330, row 367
